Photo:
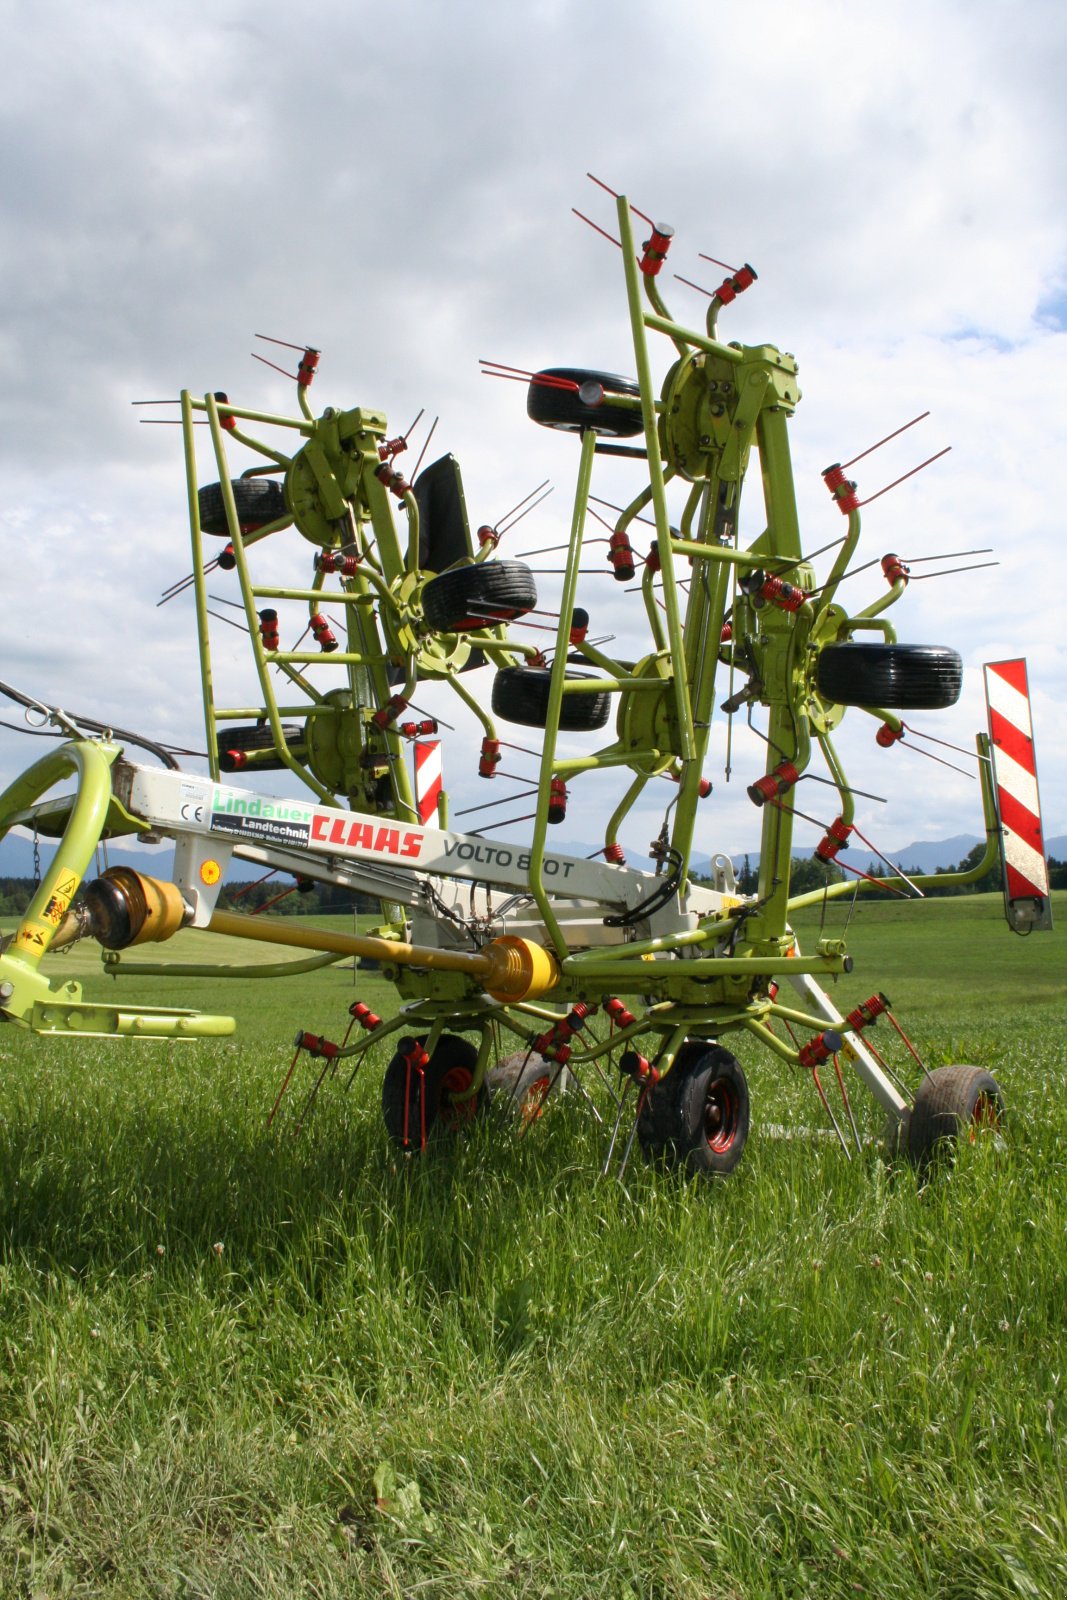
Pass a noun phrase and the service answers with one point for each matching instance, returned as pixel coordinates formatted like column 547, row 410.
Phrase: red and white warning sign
column 427, row 779
column 1011, row 735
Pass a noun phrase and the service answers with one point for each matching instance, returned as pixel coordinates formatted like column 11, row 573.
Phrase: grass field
column 237, row 1363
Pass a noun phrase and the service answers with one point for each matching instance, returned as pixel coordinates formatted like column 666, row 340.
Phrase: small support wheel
column 953, row 1104
column 520, row 694
column 257, row 501
column 235, row 743
column 656, row 1121
column 565, row 409
column 712, row 1114
column 479, row 597
column 905, row 677
column 406, row 1091
column 699, row 1116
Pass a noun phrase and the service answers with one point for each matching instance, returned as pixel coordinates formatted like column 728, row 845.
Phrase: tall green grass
column 818, row 1378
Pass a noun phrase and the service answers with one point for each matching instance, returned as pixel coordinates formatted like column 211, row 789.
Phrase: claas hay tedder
column 639, row 980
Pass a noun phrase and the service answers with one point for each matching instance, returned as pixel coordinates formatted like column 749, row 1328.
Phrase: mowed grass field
column 239, row 1363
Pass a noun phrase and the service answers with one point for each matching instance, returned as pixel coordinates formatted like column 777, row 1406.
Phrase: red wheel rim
column 985, row 1117
column 721, row 1108
column 533, row 1101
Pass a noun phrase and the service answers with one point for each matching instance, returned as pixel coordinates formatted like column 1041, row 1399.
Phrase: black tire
column 479, row 597
column 708, row 1114
column 233, row 743
column 520, row 694
column 952, row 1103
column 656, row 1122
column 566, row 410
column 257, row 501
column 449, row 1071
column 907, row 677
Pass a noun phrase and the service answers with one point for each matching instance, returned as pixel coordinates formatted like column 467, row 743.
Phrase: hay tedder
column 584, row 970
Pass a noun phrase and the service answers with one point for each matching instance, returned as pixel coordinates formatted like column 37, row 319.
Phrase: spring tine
column 273, row 365
column 285, row 1085
column 847, row 1104
column 951, row 572
column 633, row 1132
column 830, row 1114
column 352, row 1075
column 872, row 447
column 916, row 1057
column 610, row 237
column 615, row 1129
column 515, row 520
column 422, row 452
column 871, row 498
column 310, row 1101
column 584, row 1092
column 520, row 503
column 518, row 1078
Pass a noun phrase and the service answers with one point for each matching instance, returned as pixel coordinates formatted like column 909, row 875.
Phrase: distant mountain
column 923, row 855
column 16, row 858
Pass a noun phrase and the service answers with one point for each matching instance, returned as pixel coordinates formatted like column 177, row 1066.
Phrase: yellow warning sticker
column 33, row 936
column 56, row 909
column 67, row 885
column 210, row 872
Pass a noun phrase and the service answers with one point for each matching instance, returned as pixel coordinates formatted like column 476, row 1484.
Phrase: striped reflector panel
column 1011, row 735
column 427, row 778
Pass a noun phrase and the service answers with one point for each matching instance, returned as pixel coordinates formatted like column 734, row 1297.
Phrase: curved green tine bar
column 92, row 763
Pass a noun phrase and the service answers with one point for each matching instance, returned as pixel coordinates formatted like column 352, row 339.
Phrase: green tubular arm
column 692, row 506
column 261, row 449
column 92, row 764
column 269, row 417
column 611, row 832
column 657, row 479
column 115, row 967
column 931, row 880
column 473, row 704
column 840, row 566
column 597, row 658
column 633, row 510
column 655, row 300
column 674, row 330
column 199, row 586
column 555, row 693
column 411, row 506
column 894, row 593
column 863, row 621
column 777, row 1046
column 269, row 699
column 316, row 590
column 648, row 595
column 713, row 317
column 837, row 773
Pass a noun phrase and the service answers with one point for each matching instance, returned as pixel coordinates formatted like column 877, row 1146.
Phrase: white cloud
column 394, row 185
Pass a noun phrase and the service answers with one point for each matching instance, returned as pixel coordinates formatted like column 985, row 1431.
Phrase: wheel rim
column 985, row 1118
column 721, row 1108
column 533, row 1101
column 451, row 1112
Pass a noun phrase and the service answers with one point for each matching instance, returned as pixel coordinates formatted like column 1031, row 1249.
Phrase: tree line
column 808, row 874
column 304, row 898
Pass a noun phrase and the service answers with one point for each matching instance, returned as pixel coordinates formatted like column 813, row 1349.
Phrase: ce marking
column 192, row 812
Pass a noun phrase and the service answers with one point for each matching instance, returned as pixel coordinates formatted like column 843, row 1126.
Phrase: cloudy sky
column 393, row 183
